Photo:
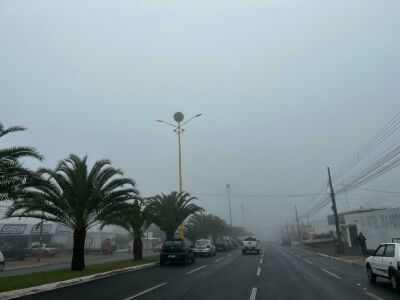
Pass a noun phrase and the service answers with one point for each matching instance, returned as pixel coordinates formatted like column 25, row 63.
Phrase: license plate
column 171, row 256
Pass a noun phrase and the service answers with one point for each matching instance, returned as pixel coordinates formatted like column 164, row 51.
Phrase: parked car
column 2, row 262
column 157, row 247
column 177, row 250
column 385, row 263
column 251, row 245
column 13, row 253
column 221, row 246
column 204, row 247
column 46, row 250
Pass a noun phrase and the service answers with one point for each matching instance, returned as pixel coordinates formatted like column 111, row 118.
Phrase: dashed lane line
column 219, row 259
column 230, row 254
column 307, row 261
column 258, row 271
column 261, row 260
column 373, row 296
column 195, row 270
column 146, row 291
column 334, row 275
column 253, row 294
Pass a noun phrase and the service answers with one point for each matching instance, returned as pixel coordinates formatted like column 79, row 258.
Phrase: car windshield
column 250, row 239
column 202, row 242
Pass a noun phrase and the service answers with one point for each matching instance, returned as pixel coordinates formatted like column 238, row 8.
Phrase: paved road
column 280, row 273
column 66, row 264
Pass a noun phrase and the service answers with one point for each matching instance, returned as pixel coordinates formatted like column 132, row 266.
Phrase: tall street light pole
column 178, row 118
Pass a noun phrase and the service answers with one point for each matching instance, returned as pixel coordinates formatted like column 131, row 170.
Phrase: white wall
column 378, row 226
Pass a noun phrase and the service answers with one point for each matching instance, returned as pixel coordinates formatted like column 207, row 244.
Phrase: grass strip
column 39, row 278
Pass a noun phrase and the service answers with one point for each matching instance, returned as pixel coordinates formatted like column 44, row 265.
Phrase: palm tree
column 203, row 226
column 76, row 197
column 169, row 211
column 135, row 219
column 13, row 175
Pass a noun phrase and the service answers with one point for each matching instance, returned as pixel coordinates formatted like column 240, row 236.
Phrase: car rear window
column 173, row 243
column 250, row 239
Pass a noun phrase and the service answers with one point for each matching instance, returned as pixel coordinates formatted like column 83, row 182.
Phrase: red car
column 157, row 247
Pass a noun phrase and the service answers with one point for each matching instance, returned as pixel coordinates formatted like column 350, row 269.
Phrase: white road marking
column 199, row 268
column 307, row 261
column 230, row 254
column 334, row 275
column 219, row 259
column 253, row 294
column 258, row 271
column 373, row 296
column 146, row 291
column 297, row 255
column 22, row 267
column 261, row 261
column 262, row 255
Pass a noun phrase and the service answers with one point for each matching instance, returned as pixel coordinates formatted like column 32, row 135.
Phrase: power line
column 259, row 195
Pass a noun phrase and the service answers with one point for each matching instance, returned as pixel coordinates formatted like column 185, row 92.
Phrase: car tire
column 162, row 262
column 394, row 281
column 193, row 259
column 371, row 276
column 2, row 266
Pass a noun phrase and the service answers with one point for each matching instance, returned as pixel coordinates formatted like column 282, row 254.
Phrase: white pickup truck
column 251, row 245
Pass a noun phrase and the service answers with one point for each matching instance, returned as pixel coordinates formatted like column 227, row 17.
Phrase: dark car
column 177, row 250
column 13, row 253
column 222, row 246
column 286, row 241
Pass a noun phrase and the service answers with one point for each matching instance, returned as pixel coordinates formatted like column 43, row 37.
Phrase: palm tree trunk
column 78, row 253
column 137, row 248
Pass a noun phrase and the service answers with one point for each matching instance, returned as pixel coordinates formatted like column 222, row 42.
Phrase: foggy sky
column 286, row 89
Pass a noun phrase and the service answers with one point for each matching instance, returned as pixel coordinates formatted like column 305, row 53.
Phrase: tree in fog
column 77, row 197
column 135, row 218
column 13, row 175
column 204, row 226
column 169, row 211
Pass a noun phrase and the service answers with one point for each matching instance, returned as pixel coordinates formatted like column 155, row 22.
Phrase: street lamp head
column 178, row 117
column 198, row 115
column 159, row 121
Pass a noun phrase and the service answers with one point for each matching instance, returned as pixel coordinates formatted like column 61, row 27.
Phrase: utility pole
column 340, row 248
column 287, row 228
column 228, row 189
column 243, row 219
column 298, row 227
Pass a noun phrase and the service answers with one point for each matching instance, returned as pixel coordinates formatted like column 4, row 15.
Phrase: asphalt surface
column 278, row 273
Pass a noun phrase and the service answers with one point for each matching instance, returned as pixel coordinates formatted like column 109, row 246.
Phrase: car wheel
column 162, row 262
column 193, row 259
column 2, row 266
column 394, row 281
column 371, row 276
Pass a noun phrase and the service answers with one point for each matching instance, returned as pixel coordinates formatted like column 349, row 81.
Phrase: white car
column 385, row 263
column 2, row 262
column 204, row 247
column 251, row 244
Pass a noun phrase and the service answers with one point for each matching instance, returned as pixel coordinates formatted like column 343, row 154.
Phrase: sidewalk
column 350, row 255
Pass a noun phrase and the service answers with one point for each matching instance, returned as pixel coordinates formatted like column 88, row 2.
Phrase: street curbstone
column 61, row 284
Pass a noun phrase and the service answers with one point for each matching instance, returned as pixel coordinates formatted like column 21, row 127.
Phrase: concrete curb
column 340, row 259
column 57, row 285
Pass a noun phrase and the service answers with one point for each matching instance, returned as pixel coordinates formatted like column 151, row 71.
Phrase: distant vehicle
column 13, row 253
column 2, row 262
column 157, row 247
column 46, row 250
column 204, row 247
column 177, row 250
column 106, row 247
column 251, row 245
column 221, row 246
column 286, row 242
column 385, row 263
